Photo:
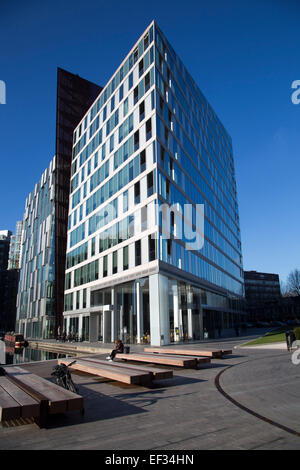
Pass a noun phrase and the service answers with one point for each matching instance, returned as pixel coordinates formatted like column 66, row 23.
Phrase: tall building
column 138, row 266
column 15, row 247
column 74, row 96
column 8, row 295
column 5, row 236
column 41, row 286
column 8, row 284
column 36, row 300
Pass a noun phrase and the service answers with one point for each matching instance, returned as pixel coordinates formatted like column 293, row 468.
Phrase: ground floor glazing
column 154, row 310
column 37, row 328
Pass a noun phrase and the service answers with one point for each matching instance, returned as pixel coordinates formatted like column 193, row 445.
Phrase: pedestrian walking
column 292, row 338
column 288, row 339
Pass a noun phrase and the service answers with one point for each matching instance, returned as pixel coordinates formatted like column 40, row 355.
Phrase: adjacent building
column 264, row 301
column 262, row 293
column 36, row 300
column 5, row 236
column 42, row 267
column 8, row 284
column 260, row 287
column 8, row 295
column 153, row 246
column 15, row 247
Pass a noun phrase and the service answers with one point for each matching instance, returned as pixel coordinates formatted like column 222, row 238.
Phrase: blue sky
column 244, row 55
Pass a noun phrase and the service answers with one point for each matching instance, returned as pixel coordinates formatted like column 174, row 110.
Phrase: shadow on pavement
column 97, row 407
column 147, row 398
column 233, row 356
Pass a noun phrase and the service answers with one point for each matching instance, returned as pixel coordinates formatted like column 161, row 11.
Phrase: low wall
column 70, row 348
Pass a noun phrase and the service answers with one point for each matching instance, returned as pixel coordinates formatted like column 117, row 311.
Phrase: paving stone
column 186, row 412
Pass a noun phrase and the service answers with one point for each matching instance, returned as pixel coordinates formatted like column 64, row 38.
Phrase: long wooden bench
column 177, row 361
column 199, row 359
column 15, row 403
column 106, row 370
column 157, row 374
column 213, row 353
column 50, row 397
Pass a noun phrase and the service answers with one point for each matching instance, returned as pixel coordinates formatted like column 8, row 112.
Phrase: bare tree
column 283, row 289
column 293, row 282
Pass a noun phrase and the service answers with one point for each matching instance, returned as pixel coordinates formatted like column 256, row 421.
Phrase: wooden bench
column 177, row 361
column 157, row 374
column 107, row 370
column 225, row 352
column 15, row 403
column 198, row 359
column 213, row 353
column 50, row 397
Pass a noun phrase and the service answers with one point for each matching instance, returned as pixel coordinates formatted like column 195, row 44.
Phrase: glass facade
column 9, row 277
column 150, row 141
column 15, row 247
column 42, row 271
column 36, row 301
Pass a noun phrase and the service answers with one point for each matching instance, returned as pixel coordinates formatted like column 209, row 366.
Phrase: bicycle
column 62, row 377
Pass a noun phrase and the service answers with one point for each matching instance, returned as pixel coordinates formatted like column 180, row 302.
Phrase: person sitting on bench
column 118, row 349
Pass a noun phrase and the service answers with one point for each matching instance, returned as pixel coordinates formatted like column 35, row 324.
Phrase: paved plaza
column 249, row 400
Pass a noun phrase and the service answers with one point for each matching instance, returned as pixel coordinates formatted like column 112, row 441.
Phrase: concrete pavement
column 184, row 413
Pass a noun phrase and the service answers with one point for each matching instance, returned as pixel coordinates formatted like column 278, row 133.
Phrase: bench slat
column 9, row 408
column 29, row 406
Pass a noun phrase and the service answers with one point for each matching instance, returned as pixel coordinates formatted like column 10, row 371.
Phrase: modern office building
column 154, row 250
column 15, row 247
column 263, row 296
column 36, row 300
column 261, row 286
column 8, row 284
column 8, row 295
column 42, row 273
column 5, row 236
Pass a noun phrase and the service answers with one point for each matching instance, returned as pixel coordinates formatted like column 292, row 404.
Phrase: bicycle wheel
column 71, row 386
column 57, row 381
column 60, row 382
